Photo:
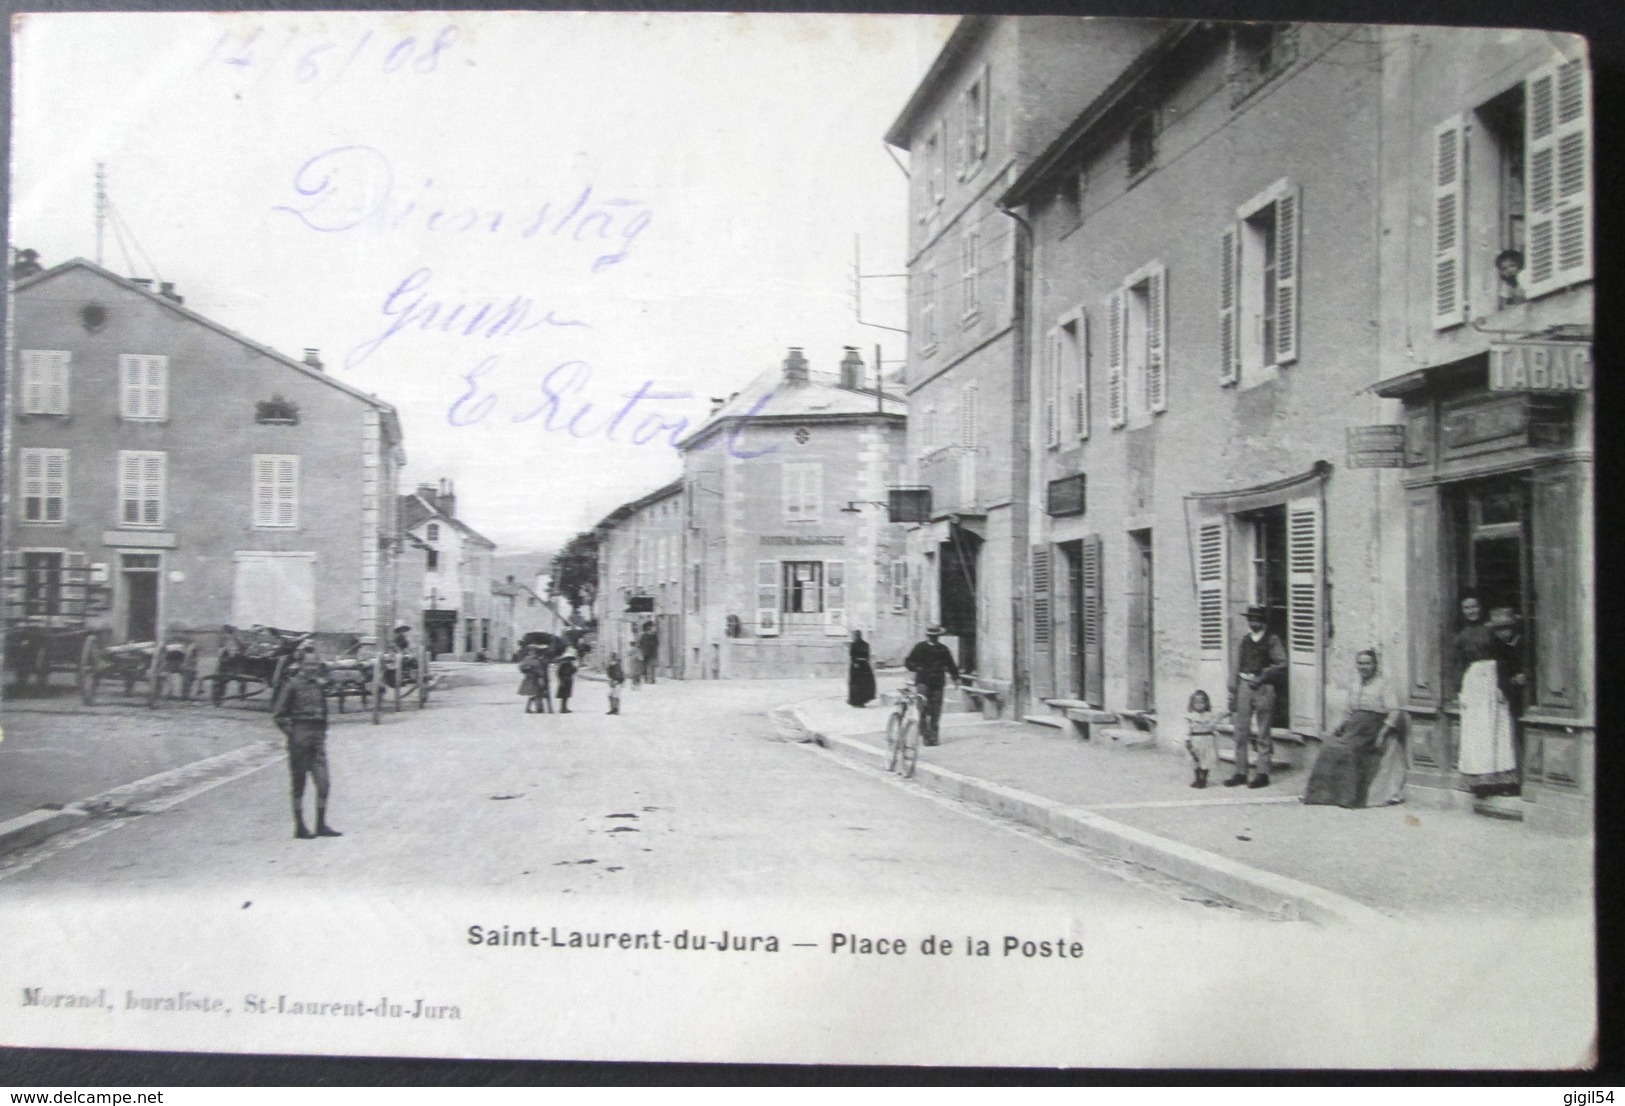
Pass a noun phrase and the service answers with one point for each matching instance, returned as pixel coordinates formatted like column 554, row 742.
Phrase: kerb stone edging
column 1277, row 895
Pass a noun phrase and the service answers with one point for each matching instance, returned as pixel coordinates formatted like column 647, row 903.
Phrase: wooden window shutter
column 33, row 364
column 1229, row 312
column 157, row 387
column 1557, row 176
column 968, row 422
column 58, row 367
column 1116, row 358
column 1080, row 393
column 1094, row 622
column 1306, row 617
column 1210, row 589
column 767, row 598
column 1288, row 246
column 1049, row 389
column 130, row 381
column 56, row 485
column 130, row 486
column 152, row 473
column 1156, row 338
column 834, row 598
column 983, row 123
column 264, row 490
column 1042, row 590
column 1449, row 223
column 33, row 484
column 287, row 491
column 1554, row 510
column 1424, row 613
column 963, row 142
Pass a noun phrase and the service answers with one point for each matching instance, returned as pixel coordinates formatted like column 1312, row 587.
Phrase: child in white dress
column 1200, row 739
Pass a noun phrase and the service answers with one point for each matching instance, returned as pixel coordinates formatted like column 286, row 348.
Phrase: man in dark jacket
column 932, row 663
column 1260, row 670
column 301, row 713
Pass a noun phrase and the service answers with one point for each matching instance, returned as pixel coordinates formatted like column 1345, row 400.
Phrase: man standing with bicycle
column 932, row 663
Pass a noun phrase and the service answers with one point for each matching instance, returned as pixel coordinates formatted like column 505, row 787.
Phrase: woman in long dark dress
column 860, row 678
column 1364, row 764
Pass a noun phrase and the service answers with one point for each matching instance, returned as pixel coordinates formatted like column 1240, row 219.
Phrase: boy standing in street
column 616, row 678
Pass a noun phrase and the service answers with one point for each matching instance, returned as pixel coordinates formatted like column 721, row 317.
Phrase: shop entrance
column 957, row 580
column 1266, row 533
column 1490, row 522
column 138, row 574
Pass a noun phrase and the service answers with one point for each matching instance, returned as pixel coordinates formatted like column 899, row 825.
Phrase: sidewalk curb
column 1276, row 895
column 37, row 825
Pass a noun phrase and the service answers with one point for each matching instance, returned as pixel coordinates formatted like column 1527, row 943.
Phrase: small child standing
column 617, row 677
column 1200, row 738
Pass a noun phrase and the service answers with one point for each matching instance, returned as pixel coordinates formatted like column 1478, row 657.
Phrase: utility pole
column 101, row 206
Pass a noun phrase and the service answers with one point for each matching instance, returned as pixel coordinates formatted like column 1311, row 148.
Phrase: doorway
column 138, row 575
column 1077, row 664
column 1141, row 659
column 1492, row 554
column 1267, row 586
column 957, row 581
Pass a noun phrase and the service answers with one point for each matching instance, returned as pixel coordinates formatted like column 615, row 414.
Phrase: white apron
column 1486, row 724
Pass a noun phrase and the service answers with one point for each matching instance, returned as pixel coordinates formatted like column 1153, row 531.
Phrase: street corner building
column 1208, row 316
column 446, row 579
column 777, row 541
column 169, row 476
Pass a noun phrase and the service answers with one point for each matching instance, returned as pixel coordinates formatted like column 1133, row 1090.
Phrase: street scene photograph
column 950, row 517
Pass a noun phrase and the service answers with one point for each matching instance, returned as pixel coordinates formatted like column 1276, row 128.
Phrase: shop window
column 803, row 588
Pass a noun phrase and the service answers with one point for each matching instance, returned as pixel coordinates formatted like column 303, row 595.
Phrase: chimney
column 313, row 359
column 448, row 499
column 167, row 290
column 851, row 369
column 795, row 367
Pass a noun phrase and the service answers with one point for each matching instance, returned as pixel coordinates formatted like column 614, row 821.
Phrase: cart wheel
column 90, row 663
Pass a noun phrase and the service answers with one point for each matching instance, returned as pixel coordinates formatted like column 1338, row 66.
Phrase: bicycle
column 903, row 732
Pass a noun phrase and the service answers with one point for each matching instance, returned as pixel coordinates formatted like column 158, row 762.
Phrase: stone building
column 1485, row 363
column 999, row 92
column 789, row 543
column 454, row 606
column 641, row 558
column 202, row 478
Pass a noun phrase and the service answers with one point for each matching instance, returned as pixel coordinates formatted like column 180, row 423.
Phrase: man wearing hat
column 301, row 713
column 1260, row 669
column 931, row 662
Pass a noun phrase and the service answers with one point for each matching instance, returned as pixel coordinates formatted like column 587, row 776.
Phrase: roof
column 770, row 398
column 628, row 509
column 415, row 511
column 966, row 34
column 1081, row 132
column 386, row 409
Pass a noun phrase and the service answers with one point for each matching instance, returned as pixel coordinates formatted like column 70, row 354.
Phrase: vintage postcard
column 986, row 540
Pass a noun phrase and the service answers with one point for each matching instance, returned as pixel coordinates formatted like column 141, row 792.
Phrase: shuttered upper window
column 44, row 380
column 142, row 487
column 44, row 485
column 143, row 387
column 276, row 492
column 973, row 126
column 1258, row 286
column 1557, row 175
column 1137, row 362
column 803, row 492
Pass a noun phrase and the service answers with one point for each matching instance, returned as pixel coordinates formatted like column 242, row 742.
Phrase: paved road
column 694, row 790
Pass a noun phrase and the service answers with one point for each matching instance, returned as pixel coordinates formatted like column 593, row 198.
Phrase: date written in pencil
column 312, row 59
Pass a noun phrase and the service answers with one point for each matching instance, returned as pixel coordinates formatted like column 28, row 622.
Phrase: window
column 141, row 487
column 973, row 132
column 1137, row 384
column 803, row 589
column 1258, row 287
column 1071, row 356
column 928, row 430
column 1558, row 174
column 767, row 598
column 936, row 172
column 969, row 248
column 143, row 387
column 928, row 310
column 431, row 559
column 1142, row 144
column 1259, row 52
column 969, row 423
column 803, row 492
column 276, row 492
column 899, row 585
column 45, row 381
column 432, row 531
column 45, row 485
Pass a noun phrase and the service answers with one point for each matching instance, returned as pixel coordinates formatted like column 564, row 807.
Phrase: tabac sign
column 1540, row 367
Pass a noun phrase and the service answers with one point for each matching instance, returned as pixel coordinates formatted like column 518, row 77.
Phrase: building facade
column 641, row 557
column 1485, row 359
column 790, row 543
column 454, row 603
column 1000, row 90
column 202, row 478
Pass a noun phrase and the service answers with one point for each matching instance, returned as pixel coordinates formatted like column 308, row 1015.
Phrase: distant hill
column 523, row 567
